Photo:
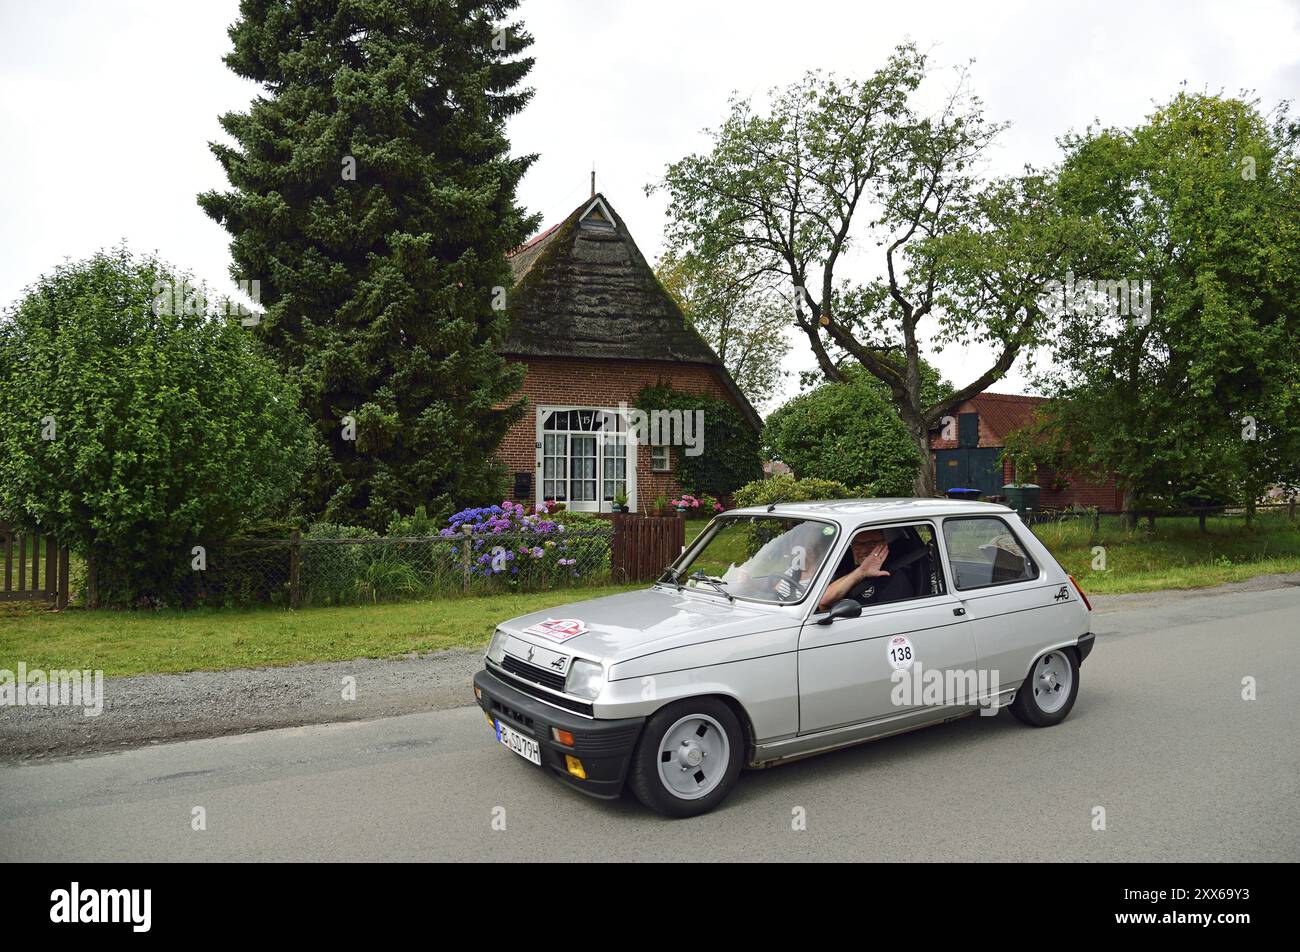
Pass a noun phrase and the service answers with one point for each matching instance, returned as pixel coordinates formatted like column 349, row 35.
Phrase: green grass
column 1177, row 555
column 125, row 642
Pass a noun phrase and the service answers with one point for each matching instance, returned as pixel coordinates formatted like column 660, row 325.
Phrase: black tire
column 1034, row 704
column 644, row 778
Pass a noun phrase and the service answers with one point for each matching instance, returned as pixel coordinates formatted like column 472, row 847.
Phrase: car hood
column 619, row 627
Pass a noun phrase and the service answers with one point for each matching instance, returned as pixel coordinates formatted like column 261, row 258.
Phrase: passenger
column 868, row 582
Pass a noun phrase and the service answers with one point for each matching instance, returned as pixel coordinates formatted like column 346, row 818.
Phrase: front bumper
column 604, row 746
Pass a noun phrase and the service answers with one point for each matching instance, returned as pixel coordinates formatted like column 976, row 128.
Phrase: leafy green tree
column 1189, row 388
column 744, row 320
column 834, row 166
column 135, row 423
column 373, row 198
column 850, row 432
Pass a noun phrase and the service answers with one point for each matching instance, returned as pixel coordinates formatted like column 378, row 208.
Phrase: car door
column 1011, row 598
column 847, row 668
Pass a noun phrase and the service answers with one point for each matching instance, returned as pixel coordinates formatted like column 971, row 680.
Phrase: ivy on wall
column 729, row 446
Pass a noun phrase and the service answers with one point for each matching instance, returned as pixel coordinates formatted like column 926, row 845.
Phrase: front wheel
column 689, row 757
column 1049, row 692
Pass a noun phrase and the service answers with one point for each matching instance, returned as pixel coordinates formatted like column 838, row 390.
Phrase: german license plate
column 521, row 744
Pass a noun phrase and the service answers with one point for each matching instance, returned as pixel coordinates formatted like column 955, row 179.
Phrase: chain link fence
column 1237, row 513
column 305, row 571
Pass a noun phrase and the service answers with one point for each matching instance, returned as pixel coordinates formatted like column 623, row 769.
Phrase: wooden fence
column 25, row 579
column 643, row 546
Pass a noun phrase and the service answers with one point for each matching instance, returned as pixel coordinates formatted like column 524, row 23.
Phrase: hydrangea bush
column 509, row 548
column 522, row 546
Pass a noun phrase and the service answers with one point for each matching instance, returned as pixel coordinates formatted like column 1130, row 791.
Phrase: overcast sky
column 106, row 107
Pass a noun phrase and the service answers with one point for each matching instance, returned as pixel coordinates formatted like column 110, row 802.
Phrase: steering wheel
column 789, row 585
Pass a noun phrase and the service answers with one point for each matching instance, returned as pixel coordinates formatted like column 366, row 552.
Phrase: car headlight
column 585, row 679
column 496, row 652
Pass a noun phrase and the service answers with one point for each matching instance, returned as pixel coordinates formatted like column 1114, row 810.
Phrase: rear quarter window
column 985, row 551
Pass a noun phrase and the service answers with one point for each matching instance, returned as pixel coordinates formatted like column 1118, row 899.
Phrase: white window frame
column 604, row 211
column 601, row 437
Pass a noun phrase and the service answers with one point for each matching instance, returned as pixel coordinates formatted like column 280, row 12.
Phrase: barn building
column 969, row 455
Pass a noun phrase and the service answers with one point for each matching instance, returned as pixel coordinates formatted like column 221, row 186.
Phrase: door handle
column 959, row 611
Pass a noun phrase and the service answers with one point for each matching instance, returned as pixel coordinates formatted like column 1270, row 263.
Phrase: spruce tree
column 373, row 199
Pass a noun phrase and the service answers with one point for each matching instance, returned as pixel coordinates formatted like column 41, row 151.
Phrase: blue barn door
column 969, row 468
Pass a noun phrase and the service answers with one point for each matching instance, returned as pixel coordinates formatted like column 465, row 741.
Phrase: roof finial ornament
column 593, row 179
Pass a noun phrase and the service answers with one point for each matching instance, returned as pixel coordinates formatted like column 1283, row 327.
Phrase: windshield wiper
column 674, row 577
column 717, row 583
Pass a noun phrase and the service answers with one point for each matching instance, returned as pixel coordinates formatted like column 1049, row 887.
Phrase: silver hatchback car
column 785, row 631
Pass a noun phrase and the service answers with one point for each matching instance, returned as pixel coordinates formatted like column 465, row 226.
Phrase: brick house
column 971, row 456
column 592, row 325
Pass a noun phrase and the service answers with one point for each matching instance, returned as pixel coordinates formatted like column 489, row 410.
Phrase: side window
column 984, row 551
column 912, row 563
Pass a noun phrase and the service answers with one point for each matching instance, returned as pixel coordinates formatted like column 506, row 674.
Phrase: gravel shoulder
column 157, row 708
column 153, row 709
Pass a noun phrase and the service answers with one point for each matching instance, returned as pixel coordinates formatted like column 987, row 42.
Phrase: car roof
column 854, row 511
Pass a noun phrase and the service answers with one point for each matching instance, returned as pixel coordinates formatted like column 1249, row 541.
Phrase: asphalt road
column 1161, row 738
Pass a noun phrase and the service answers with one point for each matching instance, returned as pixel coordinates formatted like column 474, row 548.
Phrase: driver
column 868, row 582
column 801, row 550
column 811, row 545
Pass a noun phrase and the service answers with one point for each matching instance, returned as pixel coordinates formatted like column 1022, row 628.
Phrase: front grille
column 531, row 672
column 524, row 687
column 578, row 707
column 519, row 717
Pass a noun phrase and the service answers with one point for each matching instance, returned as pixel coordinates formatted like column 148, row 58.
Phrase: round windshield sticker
column 900, row 652
column 828, row 530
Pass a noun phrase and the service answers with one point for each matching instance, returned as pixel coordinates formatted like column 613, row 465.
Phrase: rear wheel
column 688, row 758
column 1048, row 693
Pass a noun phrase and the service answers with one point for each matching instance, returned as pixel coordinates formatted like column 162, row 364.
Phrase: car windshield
column 763, row 558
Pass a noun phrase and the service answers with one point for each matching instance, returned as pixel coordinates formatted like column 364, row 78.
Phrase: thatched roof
column 583, row 289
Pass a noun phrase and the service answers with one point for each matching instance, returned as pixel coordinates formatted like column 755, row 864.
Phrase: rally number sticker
column 900, row 652
column 557, row 629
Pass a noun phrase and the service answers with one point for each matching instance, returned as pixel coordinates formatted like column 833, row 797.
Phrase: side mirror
column 844, row 608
